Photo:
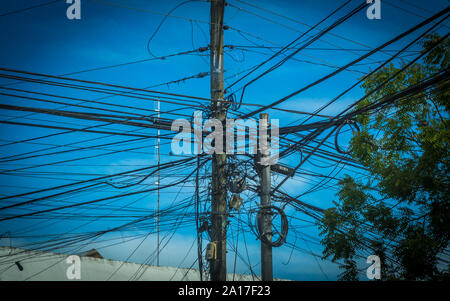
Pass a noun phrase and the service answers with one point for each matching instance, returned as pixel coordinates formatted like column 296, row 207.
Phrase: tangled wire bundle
column 273, row 211
column 355, row 128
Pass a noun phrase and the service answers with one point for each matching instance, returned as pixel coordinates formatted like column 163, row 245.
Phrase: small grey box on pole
column 266, row 218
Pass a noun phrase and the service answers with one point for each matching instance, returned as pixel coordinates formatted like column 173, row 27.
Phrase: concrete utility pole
column 218, row 269
column 266, row 218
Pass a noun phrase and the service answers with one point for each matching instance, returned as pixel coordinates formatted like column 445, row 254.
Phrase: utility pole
column 266, row 217
column 159, row 180
column 197, row 211
column 218, row 270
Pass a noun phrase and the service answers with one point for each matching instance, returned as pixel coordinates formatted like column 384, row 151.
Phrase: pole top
column 264, row 116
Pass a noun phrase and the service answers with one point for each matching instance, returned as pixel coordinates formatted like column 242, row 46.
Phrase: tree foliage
column 402, row 211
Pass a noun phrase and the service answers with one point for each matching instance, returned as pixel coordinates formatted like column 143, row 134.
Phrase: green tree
column 402, row 211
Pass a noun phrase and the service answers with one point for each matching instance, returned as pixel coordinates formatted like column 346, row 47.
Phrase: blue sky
column 112, row 32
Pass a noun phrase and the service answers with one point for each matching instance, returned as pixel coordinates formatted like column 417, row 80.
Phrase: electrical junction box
column 235, row 202
column 211, row 251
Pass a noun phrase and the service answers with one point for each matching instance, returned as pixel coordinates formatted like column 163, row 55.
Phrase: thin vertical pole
column 159, row 180
column 266, row 248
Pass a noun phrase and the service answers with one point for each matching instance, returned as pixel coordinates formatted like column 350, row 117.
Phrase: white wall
column 40, row 266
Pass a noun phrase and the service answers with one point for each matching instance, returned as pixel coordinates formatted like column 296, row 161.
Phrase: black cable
column 441, row 13
column 28, row 8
